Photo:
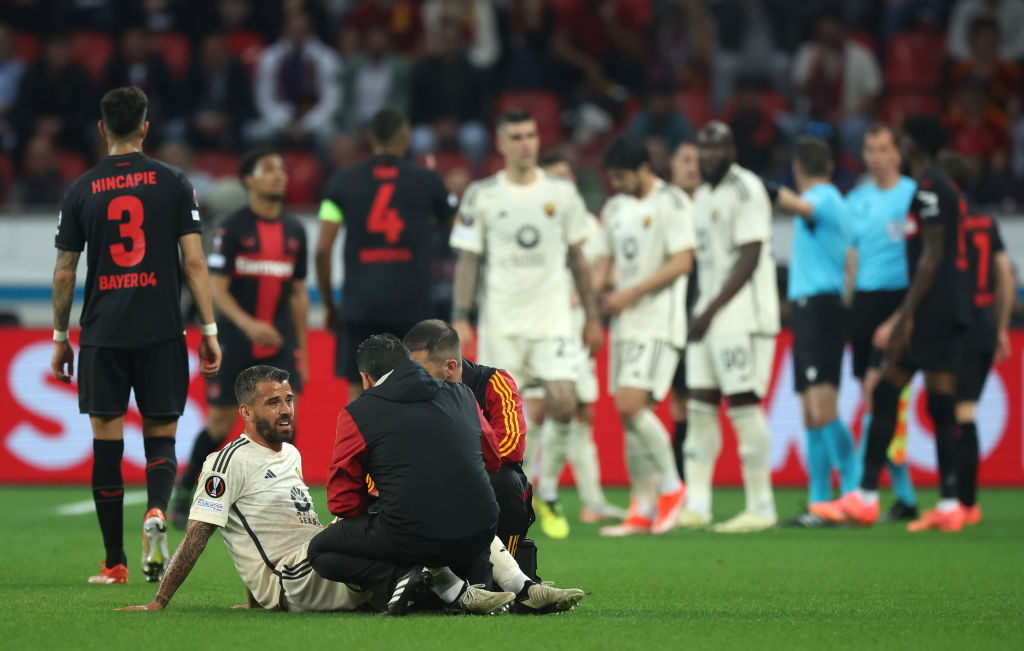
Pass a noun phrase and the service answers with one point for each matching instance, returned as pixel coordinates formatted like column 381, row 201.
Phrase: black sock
column 678, row 440
column 968, row 480
column 942, row 409
column 108, row 494
column 886, row 398
column 161, row 469
column 203, row 447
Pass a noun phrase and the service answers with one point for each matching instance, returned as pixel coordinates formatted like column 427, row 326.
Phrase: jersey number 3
column 383, row 218
column 130, row 230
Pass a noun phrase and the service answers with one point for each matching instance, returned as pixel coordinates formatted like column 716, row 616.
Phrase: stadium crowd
column 308, row 75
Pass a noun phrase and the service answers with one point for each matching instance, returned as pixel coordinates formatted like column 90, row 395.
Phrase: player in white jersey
column 579, row 450
column 649, row 243
column 526, row 227
column 732, row 333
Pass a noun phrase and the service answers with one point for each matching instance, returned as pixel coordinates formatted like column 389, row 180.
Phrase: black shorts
column 679, row 387
column 158, row 374
column 819, row 336
column 353, row 333
column 870, row 310
column 970, row 379
column 514, row 494
column 936, row 344
column 220, row 389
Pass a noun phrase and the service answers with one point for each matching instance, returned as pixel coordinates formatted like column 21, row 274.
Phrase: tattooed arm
column 467, row 271
column 63, row 296
column 181, row 564
column 593, row 333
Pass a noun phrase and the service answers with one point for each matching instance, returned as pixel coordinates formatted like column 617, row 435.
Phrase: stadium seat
column 6, row 177
column 216, row 163
column 175, row 49
column 446, row 161
column 305, row 178
column 695, row 104
column 899, row 105
column 92, row 50
column 494, row 164
column 71, row 164
column 865, row 38
column 545, row 107
column 914, row 60
column 772, row 102
column 246, row 46
column 26, row 46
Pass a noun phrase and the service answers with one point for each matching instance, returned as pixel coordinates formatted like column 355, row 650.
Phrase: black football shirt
column 392, row 211
column 980, row 241
column 130, row 211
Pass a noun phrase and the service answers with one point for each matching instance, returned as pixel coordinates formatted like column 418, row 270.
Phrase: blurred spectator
column 371, row 79
column 11, row 70
column 479, row 24
column 401, row 16
column 296, row 87
column 161, row 15
column 1001, row 77
column 217, row 86
column 56, row 99
column 40, row 183
column 837, row 80
column 527, row 30
column 978, row 131
column 660, row 119
column 753, row 38
column 899, row 15
column 760, row 146
column 1008, row 14
column 685, row 33
column 136, row 64
column 447, row 101
column 178, row 154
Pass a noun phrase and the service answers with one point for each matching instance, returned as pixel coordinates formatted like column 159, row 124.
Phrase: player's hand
column 1003, row 349
column 63, row 355
column 264, row 334
column 465, row 330
column 899, row 338
column 883, row 332
column 153, row 605
column 209, row 356
column 699, row 327
column 593, row 335
column 330, row 317
column 615, row 302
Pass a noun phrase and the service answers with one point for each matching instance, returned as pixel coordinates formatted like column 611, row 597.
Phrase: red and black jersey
column 498, row 397
column 980, row 241
column 263, row 257
column 394, row 213
column 131, row 210
column 937, row 202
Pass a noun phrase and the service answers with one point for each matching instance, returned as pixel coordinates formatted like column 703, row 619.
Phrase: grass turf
column 824, row 588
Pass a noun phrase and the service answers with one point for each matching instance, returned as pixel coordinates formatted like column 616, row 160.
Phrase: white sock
column 555, row 443
column 947, row 504
column 655, row 440
column 506, row 570
column 643, row 478
column 532, row 450
column 447, row 586
column 755, row 448
column 586, row 468
column 868, row 497
column 703, row 443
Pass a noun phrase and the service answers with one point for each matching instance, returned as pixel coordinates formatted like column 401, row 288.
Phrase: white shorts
column 731, row 363
column 308, row 591
column 587, row 390
column 648, row 365
column 530, row 361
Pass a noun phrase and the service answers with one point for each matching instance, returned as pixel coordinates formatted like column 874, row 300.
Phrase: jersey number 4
column 130, row 230
column 383, row 218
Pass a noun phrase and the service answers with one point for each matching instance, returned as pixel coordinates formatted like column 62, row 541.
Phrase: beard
column 270, row 432
column 715, row 176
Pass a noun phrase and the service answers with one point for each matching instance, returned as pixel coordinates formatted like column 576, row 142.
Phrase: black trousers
column 515, row 500
column 366, row 551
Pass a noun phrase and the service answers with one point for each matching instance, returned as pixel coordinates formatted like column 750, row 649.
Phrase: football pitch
column 823, row 588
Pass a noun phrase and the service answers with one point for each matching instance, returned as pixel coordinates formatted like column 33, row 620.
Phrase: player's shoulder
column 613, row 205
column 559, row 182
column 674, row 196
column 481, row 188
column 232, row 457
column 936, row 180
column 168, row 169
column 241, row 219
column 862, row 192
column 743, row 183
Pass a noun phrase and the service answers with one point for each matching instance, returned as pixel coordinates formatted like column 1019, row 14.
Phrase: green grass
column 876, row 588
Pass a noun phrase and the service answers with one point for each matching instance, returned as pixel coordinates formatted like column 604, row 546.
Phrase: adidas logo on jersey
column 270, row 475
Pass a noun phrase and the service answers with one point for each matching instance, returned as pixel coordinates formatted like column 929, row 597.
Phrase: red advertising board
column 45, row 440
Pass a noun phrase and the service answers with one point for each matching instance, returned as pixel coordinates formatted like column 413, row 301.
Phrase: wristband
column 772, row 188
column 209, row 329
column 60, row 336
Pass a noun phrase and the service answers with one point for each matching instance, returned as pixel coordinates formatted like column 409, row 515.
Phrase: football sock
column 507, row 573
column 899, row 474
column 947, row 504
column 839, row 441
column 161, row 469
column 532, row 448
column 968, row 464
column 446, row 585
column 586, row 469
column 655, row 441
column 643, row 478
column 942, row 409
column 108, row 494
column 203, row 447
column 678, row 441
column 554, row 444
column 869, row 497
column 886, row 398
column 703, row 443
column 819, row 469
column 755, row 448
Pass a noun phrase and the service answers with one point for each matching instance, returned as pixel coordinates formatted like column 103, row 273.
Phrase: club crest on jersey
column 648, row 220
column 467, row 219
column 528, row 237
column 248, row 242
column 714, row 215
column 292, row 245
column 215, row 486
column 549, row 209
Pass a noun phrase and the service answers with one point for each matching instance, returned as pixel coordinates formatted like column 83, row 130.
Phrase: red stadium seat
column 71, row 164
column 175, row 49
column 305, row 178
column 446, row 161
column 26, row 46
column 92, row 50
column 246, row 46
column 695, row 104
column 914, row 60
column 545, row 108
column 218, row 164
column 6, row 177
column 899, row 105
column 864, row 38
column 494, row 164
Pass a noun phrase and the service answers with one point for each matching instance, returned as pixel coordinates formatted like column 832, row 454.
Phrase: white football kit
column 263, row 508
column 523, row 233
